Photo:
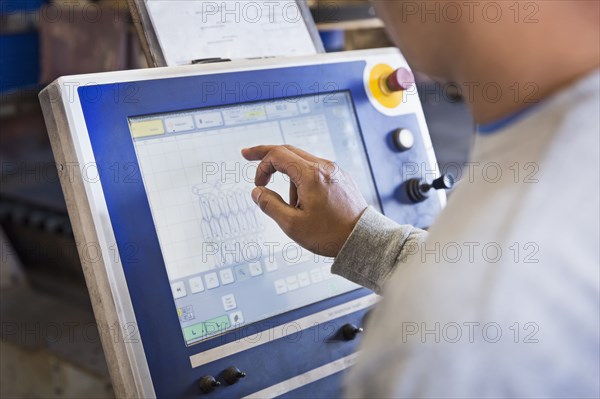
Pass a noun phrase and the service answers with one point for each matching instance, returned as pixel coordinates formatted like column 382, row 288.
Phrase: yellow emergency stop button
column 388, row 84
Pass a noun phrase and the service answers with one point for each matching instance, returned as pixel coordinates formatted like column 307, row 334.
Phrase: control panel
column 196, row 292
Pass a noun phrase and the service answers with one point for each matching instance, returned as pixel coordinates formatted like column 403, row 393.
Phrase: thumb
column 271, row 204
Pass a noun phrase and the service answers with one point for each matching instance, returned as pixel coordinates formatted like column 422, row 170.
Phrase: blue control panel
column 223, row 303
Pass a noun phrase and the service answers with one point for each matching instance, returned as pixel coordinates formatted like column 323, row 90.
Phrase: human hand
column 325, row 202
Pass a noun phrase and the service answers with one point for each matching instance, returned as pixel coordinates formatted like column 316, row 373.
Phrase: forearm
column 376, row 247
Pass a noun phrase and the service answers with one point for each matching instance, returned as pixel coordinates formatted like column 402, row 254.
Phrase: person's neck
column 520, row 94
column 496, row 89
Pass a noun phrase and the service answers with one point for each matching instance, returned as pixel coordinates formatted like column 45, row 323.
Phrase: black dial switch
column 208, row 383
column 232, row 375
column 418, row 191
column 403, row 139
column 350, row 331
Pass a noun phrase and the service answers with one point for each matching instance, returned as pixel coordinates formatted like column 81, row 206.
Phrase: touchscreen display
column 229, row 265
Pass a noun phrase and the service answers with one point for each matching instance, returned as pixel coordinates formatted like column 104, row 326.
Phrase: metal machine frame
column 95, row 235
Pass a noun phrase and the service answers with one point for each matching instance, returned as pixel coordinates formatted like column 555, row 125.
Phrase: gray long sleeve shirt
column 376, row 247
column 502, row 297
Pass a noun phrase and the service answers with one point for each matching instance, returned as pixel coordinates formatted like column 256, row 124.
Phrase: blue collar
column 500, row 124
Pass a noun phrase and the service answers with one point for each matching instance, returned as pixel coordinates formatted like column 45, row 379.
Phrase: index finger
column 259, row 152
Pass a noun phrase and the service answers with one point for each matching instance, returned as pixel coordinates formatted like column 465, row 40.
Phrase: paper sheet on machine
column 198, row 29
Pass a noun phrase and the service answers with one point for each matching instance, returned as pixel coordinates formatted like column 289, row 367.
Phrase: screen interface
column 228, row 264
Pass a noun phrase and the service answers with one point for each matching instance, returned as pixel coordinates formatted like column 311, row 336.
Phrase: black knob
column 232, row 375
column 403, row 139
column 208, row 383
column 418, row 191
column 444, row 182
column 350, row 331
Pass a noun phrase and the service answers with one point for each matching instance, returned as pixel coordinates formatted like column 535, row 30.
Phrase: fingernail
column 256, row 194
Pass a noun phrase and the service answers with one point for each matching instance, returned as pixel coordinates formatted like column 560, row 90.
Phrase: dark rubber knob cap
column 418, row 191
column 208, row 383
column 350, row 331
column 444, row 182
column 232, row 374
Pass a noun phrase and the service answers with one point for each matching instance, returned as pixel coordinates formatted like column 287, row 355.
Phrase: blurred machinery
column 49, row 344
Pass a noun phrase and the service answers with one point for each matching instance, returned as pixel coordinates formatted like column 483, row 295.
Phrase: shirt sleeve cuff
column 373, row 249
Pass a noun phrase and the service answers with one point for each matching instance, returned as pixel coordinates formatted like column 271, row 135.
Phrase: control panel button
column 292, row 283
column 236, row 318
column 350, row 331
column 242, row 272
column 226, row 276
column 444, row 182
column 403, row 139
column 211, row 280
column 315, row 275
column 418, row 191
column 387, row 85
column 196, row 285
column 303, row 279
column 255, row 269
column 208, row 383
column 178, row 290
column 399, row 80
column 228, row 302
column 232, row 374
column 378, row 87
column 280, row 286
